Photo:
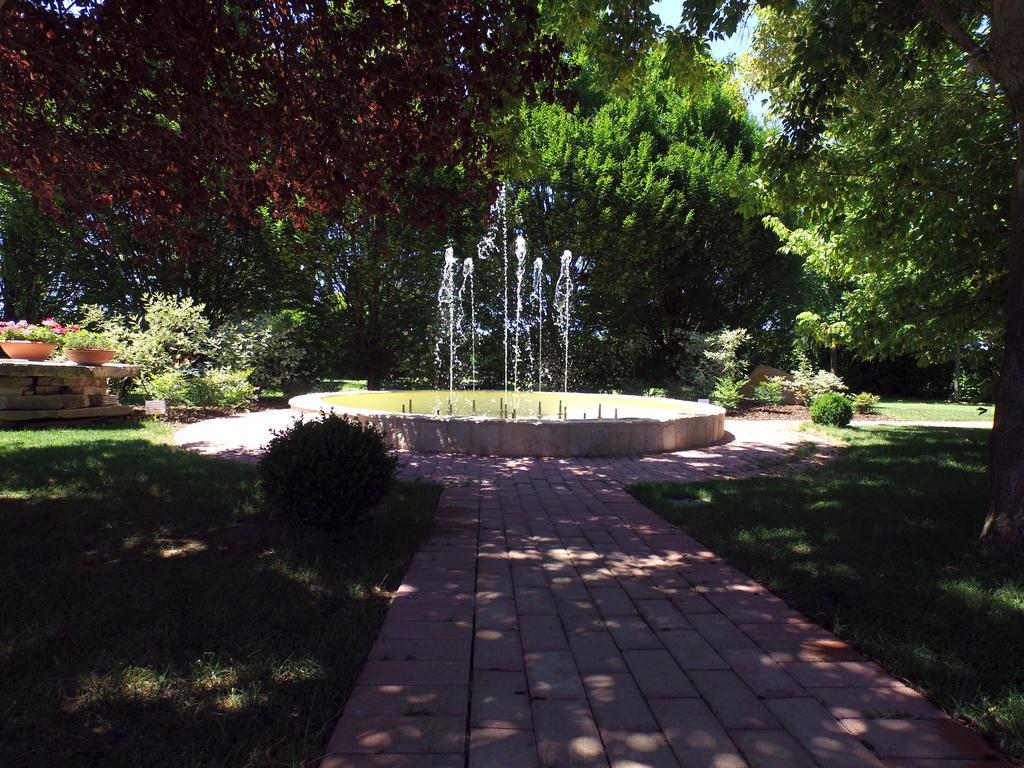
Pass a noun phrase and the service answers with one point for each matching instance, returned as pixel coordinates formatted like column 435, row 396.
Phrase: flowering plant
column 48, row 332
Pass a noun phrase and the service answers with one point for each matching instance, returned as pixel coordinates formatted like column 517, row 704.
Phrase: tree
column 903, row 208
column 171, row 111
column 647, row 189
column 38, row 272
column 843, row 45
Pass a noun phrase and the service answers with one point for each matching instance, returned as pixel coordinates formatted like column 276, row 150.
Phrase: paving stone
column 762, row 674
column 393, row 761
column 838, row 674
column 891, row 701
column 720, row 632
column 690, row 601
column 932, row 738
column 799, row 641
column 567, row 736
column 771, row 749
column 531, row 600
column 542, row 633
column 612, row 601
column 579, row 616
column 425, row 630
column 658, row 675
column 691, row 651
column 735, row 706
column 379, row 672
column 553, row 675
column 500, row 748
column 421, row 650
column 498, row 649
column 403, row 735
column 500, row 700
column 632, row 633
column 632, row 749
column 820, row 734
column 596, row 652
column 761, row 608
column 663, row 615
column 499, row 613
column 617, row 702
column 695, row 735
column 454, row 614
column 408, row 700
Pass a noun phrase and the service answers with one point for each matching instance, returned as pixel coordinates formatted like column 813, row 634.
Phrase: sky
column 669, row 11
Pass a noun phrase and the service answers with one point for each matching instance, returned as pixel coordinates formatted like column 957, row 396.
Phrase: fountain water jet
column 446, row 305
column 467, row 280
column 563, row 306
column 518, row 327
column 538, row 302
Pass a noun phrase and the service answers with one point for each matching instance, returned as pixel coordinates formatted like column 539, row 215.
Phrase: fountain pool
column 499, row 423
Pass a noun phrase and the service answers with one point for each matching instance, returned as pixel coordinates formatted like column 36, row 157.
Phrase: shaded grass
column 880, row 546
column 151, row 616
column 934, row 410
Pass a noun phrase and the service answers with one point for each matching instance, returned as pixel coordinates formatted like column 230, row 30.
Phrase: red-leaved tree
column 174, row 110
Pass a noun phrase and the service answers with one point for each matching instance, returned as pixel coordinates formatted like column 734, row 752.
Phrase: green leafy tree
column 648, row 190
column 842, row 46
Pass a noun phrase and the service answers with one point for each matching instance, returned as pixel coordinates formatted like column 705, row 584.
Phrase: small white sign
column 156, row 407
column 703, row 400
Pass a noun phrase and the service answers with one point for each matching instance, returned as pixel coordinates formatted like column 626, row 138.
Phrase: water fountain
column 523, row 422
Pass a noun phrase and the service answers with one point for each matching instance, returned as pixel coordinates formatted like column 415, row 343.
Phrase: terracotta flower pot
column 35, row 351
column 89, row 356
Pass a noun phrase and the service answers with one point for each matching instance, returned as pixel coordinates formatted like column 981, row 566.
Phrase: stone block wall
column 59, row 391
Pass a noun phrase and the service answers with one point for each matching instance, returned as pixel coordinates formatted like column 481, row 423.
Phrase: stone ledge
column 65, row 369
column 64, row 414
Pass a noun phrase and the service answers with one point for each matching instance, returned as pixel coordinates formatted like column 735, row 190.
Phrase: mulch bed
column 789, row 413
column 190, row 414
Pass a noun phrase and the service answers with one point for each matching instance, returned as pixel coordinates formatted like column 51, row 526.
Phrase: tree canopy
column 171, row 111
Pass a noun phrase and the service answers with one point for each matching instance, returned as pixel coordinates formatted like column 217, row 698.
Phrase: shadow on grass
column 150, row 617
column 881, row 546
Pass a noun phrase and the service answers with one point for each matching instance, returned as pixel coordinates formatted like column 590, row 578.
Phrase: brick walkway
column 552, row 621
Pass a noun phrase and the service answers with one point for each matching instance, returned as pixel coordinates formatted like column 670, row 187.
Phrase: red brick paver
column 551, row 620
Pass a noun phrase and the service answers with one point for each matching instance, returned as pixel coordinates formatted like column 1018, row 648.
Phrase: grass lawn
column 339, row 385
column 933, row 410
column 151, row 616
column 880, row 546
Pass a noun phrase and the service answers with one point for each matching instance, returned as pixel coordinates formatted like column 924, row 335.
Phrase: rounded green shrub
column 329, row 472
column 831, row 409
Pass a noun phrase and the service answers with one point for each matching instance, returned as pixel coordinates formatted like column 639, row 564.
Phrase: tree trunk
column 1005, row 522
column 833, row 359
column 374, row 376
column 957, row 372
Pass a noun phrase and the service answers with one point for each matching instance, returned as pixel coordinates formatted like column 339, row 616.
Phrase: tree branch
column 978, row 54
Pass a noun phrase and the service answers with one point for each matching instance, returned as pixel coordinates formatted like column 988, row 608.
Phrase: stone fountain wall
column 60, row 391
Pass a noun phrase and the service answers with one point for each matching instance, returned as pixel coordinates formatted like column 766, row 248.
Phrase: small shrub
column 727, row 393
column 221, row 387
column 269, row 346
column 330, row 472
column 82, row 339
column 769, row 391
column 865, row 402
column 831, row 409
column 171, row 386
column 808, row 385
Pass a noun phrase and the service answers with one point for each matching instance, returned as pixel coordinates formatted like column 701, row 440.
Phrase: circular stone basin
column 497, row 423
